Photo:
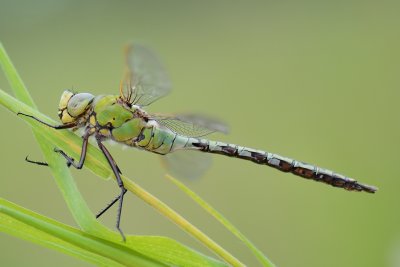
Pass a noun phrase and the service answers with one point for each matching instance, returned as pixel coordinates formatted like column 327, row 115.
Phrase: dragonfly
column 122, row 118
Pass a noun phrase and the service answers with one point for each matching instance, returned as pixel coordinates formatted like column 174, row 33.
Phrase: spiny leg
column 116, row 172
column 71, row 161
column 41, row 163
column 109, row 205
column 101, row 212
column 57, row 127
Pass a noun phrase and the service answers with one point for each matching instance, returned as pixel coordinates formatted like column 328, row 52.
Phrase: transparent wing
column 186, row 164
column 146, row 78
column 191, row 125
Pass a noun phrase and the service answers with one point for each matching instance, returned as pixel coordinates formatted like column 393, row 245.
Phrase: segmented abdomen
column 281, row 163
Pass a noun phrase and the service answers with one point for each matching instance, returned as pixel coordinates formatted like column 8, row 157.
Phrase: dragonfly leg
column 116, row 172
column 71, row 161
column 41, row 163
column 57, row 127
column 109, row 205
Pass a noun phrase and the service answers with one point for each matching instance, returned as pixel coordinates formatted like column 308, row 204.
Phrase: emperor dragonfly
column 122, row 118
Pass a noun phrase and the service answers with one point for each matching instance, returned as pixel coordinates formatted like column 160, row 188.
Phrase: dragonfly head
column 73, row 105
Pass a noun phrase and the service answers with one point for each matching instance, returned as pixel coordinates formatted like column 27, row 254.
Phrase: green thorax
column 115, row 120
column 110, row 111
column 132, row 126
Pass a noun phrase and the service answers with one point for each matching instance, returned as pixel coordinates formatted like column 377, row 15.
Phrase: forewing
column 147, row 78
column 191, row 125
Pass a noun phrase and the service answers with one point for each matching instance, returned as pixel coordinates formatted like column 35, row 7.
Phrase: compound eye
column 78, row 104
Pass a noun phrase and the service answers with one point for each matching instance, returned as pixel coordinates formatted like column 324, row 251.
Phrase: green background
column 314, row 80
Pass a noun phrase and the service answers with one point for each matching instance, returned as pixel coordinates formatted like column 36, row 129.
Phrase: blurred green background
column 314, row 80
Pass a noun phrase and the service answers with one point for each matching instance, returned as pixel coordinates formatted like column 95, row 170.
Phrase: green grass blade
column 31, row 226
column 228, row 225
column 171, row 252
column 18, row 221
column 14, row 79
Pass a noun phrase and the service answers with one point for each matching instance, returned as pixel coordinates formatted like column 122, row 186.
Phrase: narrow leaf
column 14, row 79
column 27, row 224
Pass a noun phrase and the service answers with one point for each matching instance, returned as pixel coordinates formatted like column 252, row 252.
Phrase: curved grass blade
column 31, row 226
column 14, row 79
column 207, row 207
column 26, row 224
column 173, row 253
